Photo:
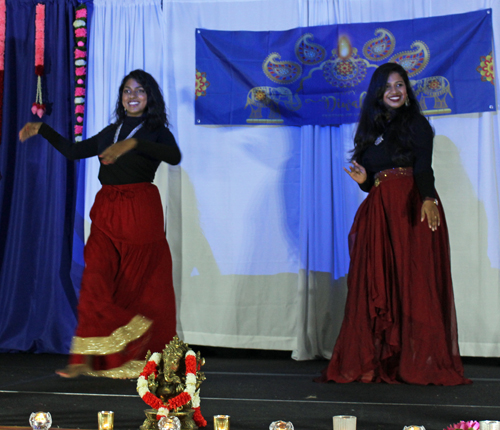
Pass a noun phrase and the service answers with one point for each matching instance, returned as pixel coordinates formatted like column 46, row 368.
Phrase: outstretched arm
column 84, row 149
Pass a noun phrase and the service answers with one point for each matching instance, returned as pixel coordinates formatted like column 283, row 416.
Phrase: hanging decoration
column 2, row 57
column 38, row 107
column 80, row 25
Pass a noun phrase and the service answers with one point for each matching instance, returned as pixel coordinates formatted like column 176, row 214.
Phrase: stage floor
column 254, row 388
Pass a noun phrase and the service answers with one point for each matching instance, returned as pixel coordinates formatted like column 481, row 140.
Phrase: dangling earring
column 407, row 101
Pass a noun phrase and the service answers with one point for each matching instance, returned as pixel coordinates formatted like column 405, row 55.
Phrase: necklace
column 117, row 133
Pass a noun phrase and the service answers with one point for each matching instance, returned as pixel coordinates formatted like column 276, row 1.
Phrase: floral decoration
column 486, row 68
column 38, row 108
column 464, row 425
column 2, row 56
column 80, row 26
column 201, row 84
column 190, row 394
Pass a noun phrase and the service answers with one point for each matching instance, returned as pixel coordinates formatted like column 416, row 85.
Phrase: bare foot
column 73, row 370
column 368, row 376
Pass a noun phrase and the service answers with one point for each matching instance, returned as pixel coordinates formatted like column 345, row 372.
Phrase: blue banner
column 319, row 75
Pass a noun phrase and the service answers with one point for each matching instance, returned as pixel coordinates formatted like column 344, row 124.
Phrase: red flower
column 153, row 401
column 190, row 364
column 149, row 368
column 198, row 418
column 178, row 401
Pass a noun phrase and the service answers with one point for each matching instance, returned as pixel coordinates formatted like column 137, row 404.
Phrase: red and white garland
column 80, row 25
column 38, row 107
column 188, row 395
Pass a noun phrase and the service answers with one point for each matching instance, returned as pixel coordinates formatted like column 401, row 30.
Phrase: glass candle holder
column 414, row 427
column 281, row 425
column 169, row 423
column 221, row 422
column 105, row 420
column 489, row 425
column 40, row 420
column 344, row 422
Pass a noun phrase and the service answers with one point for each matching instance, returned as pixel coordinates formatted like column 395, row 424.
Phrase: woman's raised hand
column 357, row 172
column 30, row 129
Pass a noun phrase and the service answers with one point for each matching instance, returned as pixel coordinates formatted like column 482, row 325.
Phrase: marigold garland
column 38, row 108
column 2, row 57
column 188, row 395
column 80, row 26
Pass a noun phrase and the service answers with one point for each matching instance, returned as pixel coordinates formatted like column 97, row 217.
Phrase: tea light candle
column 221, row 422
column 281, row 425
column 344, row 422
column 169, row 423
column 105, row 420
column 40, row 420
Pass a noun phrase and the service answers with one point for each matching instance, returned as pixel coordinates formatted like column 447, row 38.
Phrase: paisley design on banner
column 413, row 61
column 281, row 72
column 307, row 52
column 381, row 47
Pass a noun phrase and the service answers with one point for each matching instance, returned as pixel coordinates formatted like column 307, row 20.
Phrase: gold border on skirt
column 115, row 342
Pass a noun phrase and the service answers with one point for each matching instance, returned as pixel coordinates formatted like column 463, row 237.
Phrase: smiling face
column 395, row 91
column 134, row 98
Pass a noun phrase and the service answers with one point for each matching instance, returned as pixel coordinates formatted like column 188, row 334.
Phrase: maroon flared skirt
column 400, row 322
column 127, row 301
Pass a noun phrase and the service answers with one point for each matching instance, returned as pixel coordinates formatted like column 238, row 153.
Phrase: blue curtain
column 37, row 192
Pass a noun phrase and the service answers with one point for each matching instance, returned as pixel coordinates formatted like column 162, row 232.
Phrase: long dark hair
column 155, row 112
column 375, row 117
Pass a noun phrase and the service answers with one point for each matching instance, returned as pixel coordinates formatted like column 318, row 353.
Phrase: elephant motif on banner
column 436, row 88
column 259, row 98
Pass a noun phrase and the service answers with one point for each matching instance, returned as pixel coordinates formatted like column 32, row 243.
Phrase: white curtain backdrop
column 124, row 35
column 258, row 216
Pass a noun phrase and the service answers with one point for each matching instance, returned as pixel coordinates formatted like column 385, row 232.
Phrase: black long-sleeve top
column 379, row 157
column 137, row 165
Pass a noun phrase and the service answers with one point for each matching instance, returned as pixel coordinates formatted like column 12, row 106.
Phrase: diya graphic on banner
column 319, row 75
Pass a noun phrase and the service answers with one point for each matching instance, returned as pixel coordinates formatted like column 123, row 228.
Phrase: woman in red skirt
column 399, row 323
column 127, row 302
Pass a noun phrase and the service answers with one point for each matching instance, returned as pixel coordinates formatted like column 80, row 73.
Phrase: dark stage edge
column 255, row 388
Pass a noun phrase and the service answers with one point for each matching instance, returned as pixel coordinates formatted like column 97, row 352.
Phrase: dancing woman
column 127, row 301
column 399, row 323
